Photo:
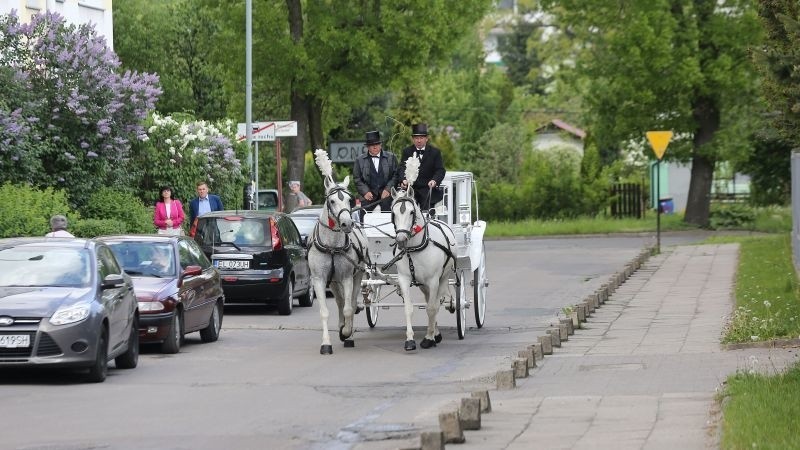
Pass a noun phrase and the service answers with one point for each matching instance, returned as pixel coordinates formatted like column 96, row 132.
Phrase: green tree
column 681, row 65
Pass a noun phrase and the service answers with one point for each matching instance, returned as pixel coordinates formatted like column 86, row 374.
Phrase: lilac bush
column 181, row 152
column 65, row 109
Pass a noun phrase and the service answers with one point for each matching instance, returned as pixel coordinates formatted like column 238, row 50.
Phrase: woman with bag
column 168, row 216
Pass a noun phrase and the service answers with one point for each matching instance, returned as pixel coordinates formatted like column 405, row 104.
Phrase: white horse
column 425, row 257
column 336, row 255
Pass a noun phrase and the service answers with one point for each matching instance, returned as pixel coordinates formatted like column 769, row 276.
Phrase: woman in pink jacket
column 168, row 216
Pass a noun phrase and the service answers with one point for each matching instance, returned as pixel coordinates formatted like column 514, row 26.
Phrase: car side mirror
column 192, row 271
column 112, row 280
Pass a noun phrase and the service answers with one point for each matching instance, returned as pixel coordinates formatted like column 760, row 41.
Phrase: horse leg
column 319, row 291
column 405, row 288
column 443, row 293
column 346, row 313
column 432, row 308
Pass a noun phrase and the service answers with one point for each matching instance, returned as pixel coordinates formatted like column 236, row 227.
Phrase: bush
column 111, row 204
column 732, row 216
column 26, row 211
column 89, row 228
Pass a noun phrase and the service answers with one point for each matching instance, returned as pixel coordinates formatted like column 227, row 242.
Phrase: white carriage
column 455, row 209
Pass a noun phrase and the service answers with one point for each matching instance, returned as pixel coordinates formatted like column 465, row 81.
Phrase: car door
column 297, row 253
column 191, row 289
column 113, row 299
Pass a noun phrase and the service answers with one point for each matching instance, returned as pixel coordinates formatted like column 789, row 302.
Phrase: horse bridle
column 402, row 201
column 340, row 192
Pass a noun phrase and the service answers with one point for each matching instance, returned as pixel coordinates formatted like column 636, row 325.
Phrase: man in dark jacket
column 431, row 168
column 203, row 203
column 375, row 173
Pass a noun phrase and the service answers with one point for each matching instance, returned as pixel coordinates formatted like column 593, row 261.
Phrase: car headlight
column 70, row 314
column 150, row 306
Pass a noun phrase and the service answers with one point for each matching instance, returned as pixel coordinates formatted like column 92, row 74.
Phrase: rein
column 334, row 226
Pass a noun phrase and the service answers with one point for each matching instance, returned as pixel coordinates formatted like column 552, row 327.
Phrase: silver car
column 66, row 303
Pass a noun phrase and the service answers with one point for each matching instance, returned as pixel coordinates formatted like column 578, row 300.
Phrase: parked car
column 178, row 290
column 66, row 303
column 260, row 256
column 305, row 218
column 267, row 199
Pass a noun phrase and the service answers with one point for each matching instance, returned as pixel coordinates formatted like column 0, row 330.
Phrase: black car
column 177, row 289
column 66, row 303
column 260, row 255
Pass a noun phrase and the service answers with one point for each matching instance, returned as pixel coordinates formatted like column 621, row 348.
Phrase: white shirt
column 59, row 233
column 203, row 206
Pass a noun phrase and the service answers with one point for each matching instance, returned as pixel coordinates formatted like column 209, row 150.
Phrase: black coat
column 430, row 168
column 363, row 170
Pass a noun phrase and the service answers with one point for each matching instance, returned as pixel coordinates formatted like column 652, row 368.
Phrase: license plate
column 231, row 264
column 14, row 340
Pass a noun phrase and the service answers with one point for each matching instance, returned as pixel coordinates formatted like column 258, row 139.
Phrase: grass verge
column 767, row 294
column 585, row 225
column 761, row 411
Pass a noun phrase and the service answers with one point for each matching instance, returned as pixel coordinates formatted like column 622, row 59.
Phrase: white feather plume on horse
column 412, row 169
column 324, row 163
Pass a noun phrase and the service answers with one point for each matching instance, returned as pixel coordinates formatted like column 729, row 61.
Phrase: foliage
column 122, row 207
column 502, row 150
column 26, row 211
column 769, row 169
column 777, row 60
column 761, row 411
column 766, row 291
column 582, row 225
column 176, row 40
column 89, row 228
column 732, row 216
column 677, row 65
column 77, row 115
column 181, row 152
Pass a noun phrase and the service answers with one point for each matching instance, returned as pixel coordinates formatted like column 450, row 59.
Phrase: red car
column 178, row 290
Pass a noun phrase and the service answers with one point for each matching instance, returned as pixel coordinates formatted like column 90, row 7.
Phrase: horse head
column 337, row 205
column 406, row 216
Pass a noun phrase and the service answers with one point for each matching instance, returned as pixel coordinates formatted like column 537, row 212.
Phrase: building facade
column 97, row 12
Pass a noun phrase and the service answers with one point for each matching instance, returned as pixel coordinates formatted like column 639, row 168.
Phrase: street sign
column 346, row 151
column 659, row 141
column 267, row 131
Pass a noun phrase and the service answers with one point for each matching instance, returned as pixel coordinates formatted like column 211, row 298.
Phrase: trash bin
column 666, row 206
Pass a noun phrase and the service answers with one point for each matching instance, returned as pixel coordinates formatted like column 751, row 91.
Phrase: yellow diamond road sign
column 659, row 141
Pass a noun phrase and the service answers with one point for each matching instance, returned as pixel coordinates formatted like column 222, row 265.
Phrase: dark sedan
column 178, row 290
column 66, row 303
column 260, row 255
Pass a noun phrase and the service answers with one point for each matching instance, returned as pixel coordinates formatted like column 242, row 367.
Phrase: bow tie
column 378, row 157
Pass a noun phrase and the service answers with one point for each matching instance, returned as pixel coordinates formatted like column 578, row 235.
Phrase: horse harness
column 425, row 240
column 344, row 249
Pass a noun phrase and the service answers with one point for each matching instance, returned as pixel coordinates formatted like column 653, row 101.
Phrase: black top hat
column 373, row 137
column 419, row 129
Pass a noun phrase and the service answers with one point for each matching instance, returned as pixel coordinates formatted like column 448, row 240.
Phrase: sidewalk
column 643, row 371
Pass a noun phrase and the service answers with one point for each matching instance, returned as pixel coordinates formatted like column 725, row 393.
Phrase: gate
column 627, row 200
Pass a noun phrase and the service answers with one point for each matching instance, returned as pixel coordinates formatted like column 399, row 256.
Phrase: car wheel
column 99, row 370
column 307, row 299
column 172, row 344
column 211, row 332
column 285, row 304
column 130, row 358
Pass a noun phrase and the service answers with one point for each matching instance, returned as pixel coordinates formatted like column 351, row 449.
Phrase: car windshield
column 149, row 259
column 45, row 266
column 235, row 230
column 305, row 224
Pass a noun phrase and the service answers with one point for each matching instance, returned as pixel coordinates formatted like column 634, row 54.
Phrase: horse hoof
column 411, row 345
column 427, row 343
column 342, row 337
column 349, row 343
column 326, row 350
column 438, row 338
column 359, row 309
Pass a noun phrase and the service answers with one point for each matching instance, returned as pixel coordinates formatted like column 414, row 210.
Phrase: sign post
column 268, row 131
column 659, row 140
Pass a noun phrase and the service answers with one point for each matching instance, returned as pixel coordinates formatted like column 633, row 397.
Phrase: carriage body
column 456, row 210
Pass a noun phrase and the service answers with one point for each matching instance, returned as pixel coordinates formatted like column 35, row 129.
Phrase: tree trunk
column 300, row 103
column 698, row 204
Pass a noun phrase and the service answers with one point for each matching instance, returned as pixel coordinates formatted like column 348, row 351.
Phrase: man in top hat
column 431, row 168
column 375, row 173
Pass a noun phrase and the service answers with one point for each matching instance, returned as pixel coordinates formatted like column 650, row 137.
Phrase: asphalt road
column 265, row 385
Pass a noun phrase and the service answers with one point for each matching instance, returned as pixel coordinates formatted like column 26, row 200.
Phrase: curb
column 775, row 343
column 468, row 416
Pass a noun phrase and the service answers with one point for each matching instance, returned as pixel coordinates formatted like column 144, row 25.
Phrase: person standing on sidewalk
column 58, row 227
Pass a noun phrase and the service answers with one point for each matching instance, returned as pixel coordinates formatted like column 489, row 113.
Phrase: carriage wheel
column 372, row 308
column 480, row 283
column 461, row 306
